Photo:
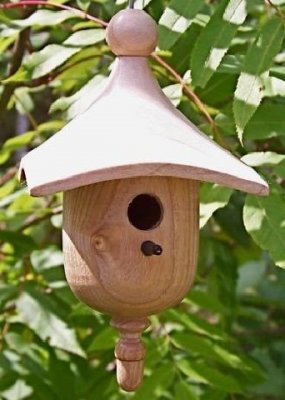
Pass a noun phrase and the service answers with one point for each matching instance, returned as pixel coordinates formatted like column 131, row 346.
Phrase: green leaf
column 267, row 122
column 86, row 37
column 184, row 392
column 195, row 324
column 264, row 219
column 13, row 144
column 217, row 379
column 6, row 201
column 7, row 293
column 214, row 394
column 105, row 340
column 218, row 90
column 18, row 391
column 63, row 378
column 215, row 39
column 263, row 158
column 231, row 64
column 17, row 142
column 274, row 385
column 179, row 57
column 41, row 63
column 251, row 274
column 48, row 258
column 175, row 20
column 157, row 383
column 212, row 197
column 206, row 300
column 21, row 243
column 278, row 72
column 81, row 100
column 5, row 42
column 207, row 349
column 186, row 367
column 272, row 86
column 83, row 4
column 4, row 156
column 47, row 18
column 23, row 100
column 258, row 60
column 174, row 93
column 37, row 313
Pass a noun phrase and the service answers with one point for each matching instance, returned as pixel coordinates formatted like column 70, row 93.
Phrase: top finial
column 132, row 33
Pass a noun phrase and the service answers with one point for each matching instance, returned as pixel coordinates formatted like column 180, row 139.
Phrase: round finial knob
column 132, row 33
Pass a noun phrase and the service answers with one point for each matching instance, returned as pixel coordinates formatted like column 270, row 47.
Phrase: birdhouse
column 130, row 167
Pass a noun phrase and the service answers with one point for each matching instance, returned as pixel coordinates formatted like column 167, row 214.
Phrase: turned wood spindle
column 130, row 352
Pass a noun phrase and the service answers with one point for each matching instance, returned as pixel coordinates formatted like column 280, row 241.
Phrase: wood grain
column 130, row 352
column 106, row 268
column 104, row 264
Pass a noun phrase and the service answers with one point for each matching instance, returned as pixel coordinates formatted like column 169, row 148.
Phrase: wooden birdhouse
column 130, row 168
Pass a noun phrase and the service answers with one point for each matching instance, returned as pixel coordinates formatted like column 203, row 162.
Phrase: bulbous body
column 104, row 227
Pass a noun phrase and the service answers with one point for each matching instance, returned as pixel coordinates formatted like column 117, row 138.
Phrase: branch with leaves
column 189, row 92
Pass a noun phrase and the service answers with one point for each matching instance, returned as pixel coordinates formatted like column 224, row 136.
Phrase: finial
column 130, row 351
column 132, row 32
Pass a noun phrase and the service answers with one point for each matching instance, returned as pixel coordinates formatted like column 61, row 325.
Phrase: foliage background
column 224, row 68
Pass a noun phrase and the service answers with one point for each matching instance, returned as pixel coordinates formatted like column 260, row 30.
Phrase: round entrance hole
column 145, row 212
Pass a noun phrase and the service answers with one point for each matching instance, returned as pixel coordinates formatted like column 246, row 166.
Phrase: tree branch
column 32, row 120
column 278, row 331
column 276, row 8
column 17, row 57
column 81, row 14
column 9, row 174
column 34, row 219
column 188, row 91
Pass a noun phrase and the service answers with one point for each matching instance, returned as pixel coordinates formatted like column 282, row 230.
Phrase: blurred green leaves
column 215, row 39
column 264, row 219
column 175, row 20
column 258, row 60
column 38, row 313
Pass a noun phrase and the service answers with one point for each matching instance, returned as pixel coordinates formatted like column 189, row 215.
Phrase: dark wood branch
column 9, row 174
column 17, row 58
column 276, row 331
column 35, row 219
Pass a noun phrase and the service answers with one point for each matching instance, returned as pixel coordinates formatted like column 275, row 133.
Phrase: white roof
column 130, row 130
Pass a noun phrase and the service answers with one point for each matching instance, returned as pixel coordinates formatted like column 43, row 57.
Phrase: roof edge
column 149, row 169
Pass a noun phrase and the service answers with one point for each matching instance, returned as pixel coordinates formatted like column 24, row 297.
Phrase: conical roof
column 131, row 130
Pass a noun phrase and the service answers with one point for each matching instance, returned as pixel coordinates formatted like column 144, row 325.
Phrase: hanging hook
column 132, row 3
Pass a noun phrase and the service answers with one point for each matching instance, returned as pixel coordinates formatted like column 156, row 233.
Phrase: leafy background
column 222, row 63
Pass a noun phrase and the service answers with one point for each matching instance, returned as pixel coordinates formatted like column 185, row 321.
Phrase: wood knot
column 99, row 243
column 132, row 33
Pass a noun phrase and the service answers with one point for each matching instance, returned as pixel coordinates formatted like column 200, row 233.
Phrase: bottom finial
column 130, row 351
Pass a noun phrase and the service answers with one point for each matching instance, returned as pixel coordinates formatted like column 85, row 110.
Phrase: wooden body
column 104, row 264
column 106, row 267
